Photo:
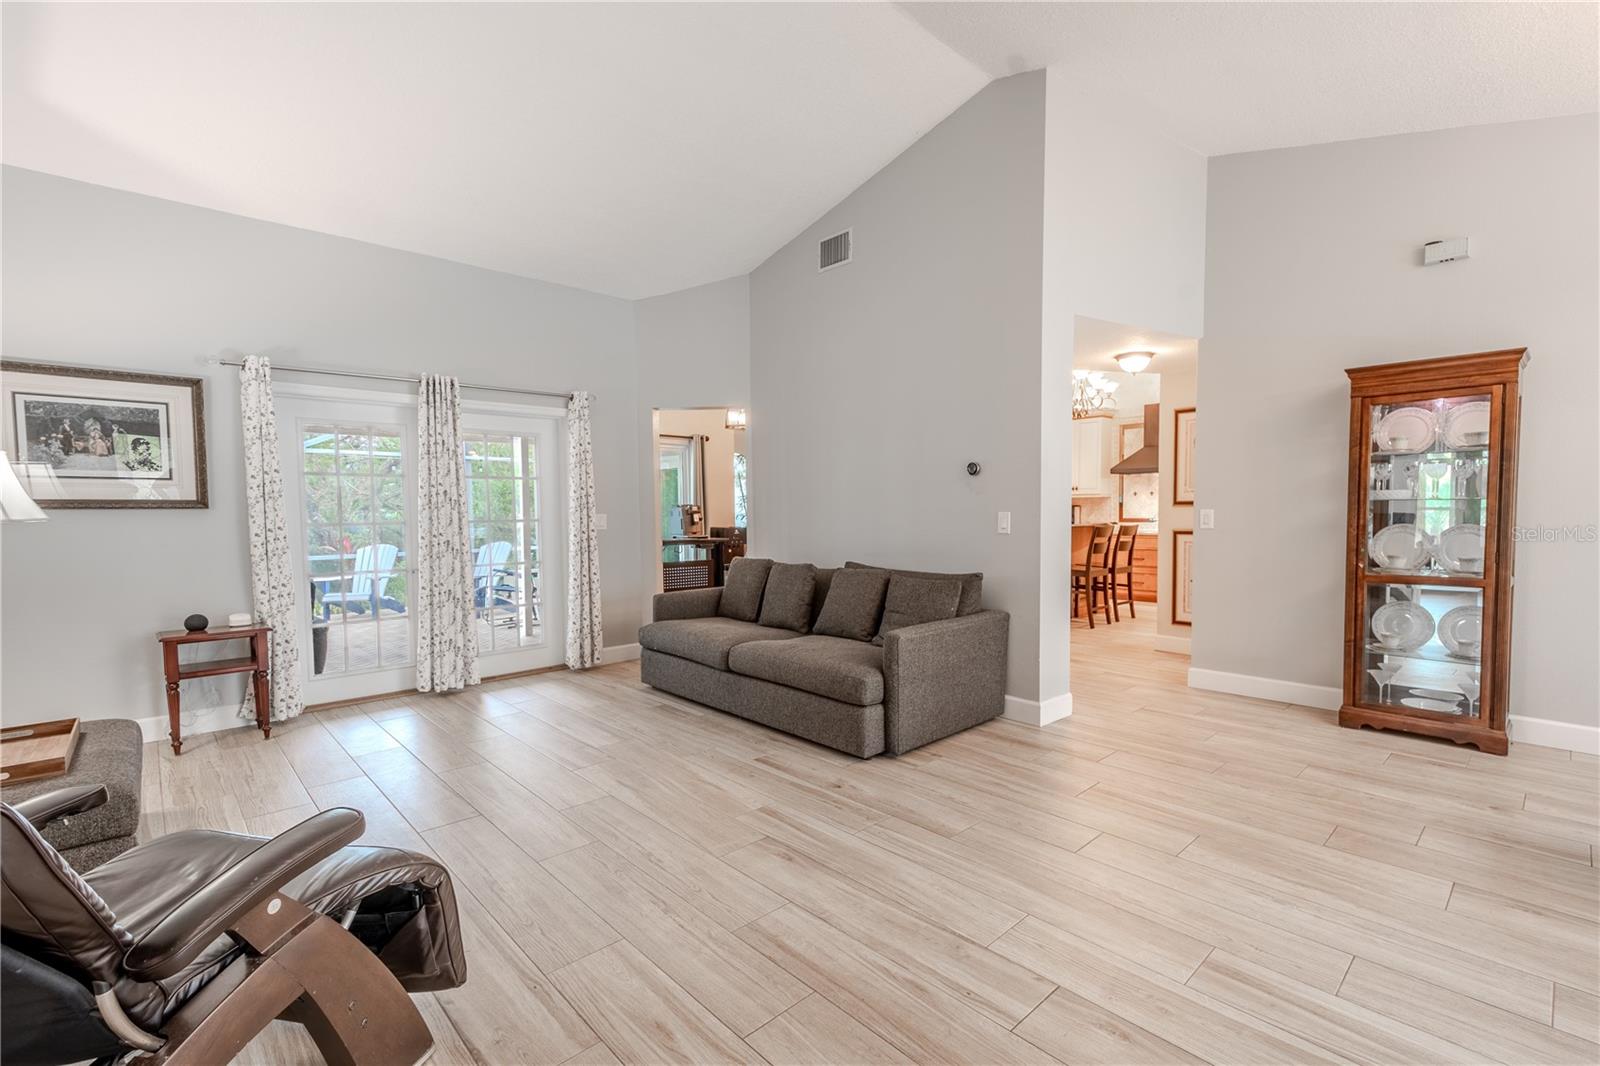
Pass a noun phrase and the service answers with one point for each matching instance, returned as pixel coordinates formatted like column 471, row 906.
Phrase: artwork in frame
column 1138, row 500
column 1183, row 456
column 1182, row 577
column 86, row 437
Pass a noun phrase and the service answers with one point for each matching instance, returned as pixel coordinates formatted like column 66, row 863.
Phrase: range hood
column 1143, row 461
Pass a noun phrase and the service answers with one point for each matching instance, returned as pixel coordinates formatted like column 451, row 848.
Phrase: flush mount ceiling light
column 737, row 419
column 1133, row 362
column 1091, row 391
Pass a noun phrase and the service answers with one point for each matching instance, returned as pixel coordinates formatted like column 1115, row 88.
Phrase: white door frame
column 548, row 427
column 297, row 406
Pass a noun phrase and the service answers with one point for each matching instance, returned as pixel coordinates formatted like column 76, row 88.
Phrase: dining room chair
column 1093, row 576
column 1122, row 568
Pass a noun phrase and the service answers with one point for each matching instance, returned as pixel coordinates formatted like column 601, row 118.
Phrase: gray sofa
column 772, row 651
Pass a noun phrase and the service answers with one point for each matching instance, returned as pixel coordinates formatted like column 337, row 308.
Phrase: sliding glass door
column 350, row 489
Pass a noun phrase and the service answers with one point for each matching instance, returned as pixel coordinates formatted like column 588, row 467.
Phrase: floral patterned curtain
column 584, row 639
column 272, row 580
column 447, row 642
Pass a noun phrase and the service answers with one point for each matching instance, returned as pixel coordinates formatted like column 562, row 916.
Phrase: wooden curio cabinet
column 1433, row 484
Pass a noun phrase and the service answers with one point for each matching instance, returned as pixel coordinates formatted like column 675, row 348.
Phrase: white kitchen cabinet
column 1094, row 452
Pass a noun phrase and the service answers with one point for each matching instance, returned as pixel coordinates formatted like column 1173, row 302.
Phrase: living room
column 341, row 344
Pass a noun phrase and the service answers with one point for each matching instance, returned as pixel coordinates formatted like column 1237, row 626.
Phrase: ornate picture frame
column 1182, row 577
column 86, row 437
column 1183, row 429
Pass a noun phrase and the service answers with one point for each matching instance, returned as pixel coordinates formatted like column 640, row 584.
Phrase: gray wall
column 98, row 277
column 1313, row 266
column 873, row 384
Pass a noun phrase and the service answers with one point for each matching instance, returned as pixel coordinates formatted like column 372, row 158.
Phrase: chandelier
column 1092, row 391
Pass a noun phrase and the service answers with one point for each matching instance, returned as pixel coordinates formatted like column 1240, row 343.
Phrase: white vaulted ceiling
column 635, row 149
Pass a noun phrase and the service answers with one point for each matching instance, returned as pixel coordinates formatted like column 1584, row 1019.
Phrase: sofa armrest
column 942, row 677
column 46, row 807
column 690, row 603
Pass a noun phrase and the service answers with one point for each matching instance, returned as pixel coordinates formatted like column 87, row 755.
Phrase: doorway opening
column 702, row 512
column 1132, row 495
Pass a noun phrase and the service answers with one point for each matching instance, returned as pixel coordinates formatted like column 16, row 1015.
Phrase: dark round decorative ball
column 974, row 469
column 196, row 622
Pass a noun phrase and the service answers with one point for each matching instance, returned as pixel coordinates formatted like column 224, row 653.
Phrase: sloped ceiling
column 639, row 149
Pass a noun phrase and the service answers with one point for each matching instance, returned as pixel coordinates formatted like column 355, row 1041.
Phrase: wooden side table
column 258, row 663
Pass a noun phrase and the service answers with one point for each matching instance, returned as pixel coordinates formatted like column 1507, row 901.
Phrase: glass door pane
column 353, row 493
column 1428, row 487
column 1422, row 649
column 503, row 494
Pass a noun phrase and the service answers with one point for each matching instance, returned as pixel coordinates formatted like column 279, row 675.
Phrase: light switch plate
column 1004, row 525
column 1208, row 518
column 599, row 521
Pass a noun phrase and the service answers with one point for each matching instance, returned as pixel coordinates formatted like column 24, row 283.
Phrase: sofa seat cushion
column 844, row 670
column 707, row 640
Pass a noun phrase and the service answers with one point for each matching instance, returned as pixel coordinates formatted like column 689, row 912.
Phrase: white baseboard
column 1548, row 733
column 1175, row 645
column 195, row 722
column 1033, row 712
column 619, row 653
column 1524, row 729
column 1267, row 688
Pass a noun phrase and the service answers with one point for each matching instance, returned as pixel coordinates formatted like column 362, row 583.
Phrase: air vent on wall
column 833, row 251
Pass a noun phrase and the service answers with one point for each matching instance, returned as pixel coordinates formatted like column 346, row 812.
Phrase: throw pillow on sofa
column 911, row 601
column 854, row 604
column 971, row 584
column 742, row 588
column 786, row 604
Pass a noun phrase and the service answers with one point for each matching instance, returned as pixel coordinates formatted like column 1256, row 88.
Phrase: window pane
column 391, row 499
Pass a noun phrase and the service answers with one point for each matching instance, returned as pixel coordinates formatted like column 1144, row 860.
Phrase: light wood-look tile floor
column 1167, row 876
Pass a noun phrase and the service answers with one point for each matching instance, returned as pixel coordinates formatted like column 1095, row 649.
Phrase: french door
column 349, row 470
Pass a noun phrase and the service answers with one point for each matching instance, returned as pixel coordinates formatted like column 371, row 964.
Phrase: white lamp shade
column 1133, row 362
column 15, row 503
column 737, row 418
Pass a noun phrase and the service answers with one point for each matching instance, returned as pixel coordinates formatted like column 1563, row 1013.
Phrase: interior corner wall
column 1314, row 265
column 97, row 277
column 1124, row 241
column 874, row 384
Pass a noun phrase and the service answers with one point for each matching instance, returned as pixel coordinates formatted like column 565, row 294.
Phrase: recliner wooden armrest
column 45, row 808
column 214, row 909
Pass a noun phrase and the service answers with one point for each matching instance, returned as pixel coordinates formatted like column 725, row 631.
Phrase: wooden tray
column 42, row 749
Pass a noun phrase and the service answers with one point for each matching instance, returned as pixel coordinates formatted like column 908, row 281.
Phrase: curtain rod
column 393, row 377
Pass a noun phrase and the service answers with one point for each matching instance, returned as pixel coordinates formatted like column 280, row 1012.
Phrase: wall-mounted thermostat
column 1444, row 251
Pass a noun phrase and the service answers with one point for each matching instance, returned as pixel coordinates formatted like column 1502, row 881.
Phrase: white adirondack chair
column 374, row 566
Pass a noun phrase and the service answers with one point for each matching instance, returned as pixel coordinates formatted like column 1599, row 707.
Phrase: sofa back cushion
column 742, row 589
column 819, row 592
column 786, row 603
column 913, row 600
column 853, row 605
column 971, row 585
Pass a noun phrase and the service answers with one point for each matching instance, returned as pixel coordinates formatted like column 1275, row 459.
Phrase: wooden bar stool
column 1095, row 573
column 1122, row 567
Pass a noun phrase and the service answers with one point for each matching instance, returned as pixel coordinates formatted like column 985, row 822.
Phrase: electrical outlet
column 599, row 521
column 1004, row 525
column 1208, row 518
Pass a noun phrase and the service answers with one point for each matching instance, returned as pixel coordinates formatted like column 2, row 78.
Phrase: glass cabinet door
column 1423, row 649
column 1427, row 531
column 1428, row 487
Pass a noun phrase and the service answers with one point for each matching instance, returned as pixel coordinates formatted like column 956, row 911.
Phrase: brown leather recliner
column 188, row 946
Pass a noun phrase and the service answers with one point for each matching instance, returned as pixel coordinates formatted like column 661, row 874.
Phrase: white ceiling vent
column 833, row 251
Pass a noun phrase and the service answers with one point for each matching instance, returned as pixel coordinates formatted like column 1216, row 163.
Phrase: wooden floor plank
column 814, row 1031
column 922, row 1021
column 642, row 1015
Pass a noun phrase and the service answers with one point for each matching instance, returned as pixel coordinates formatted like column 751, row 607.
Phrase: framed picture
column 81, row 437
column 1182, row 577
column 1183, row 455
column 1138, row 498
